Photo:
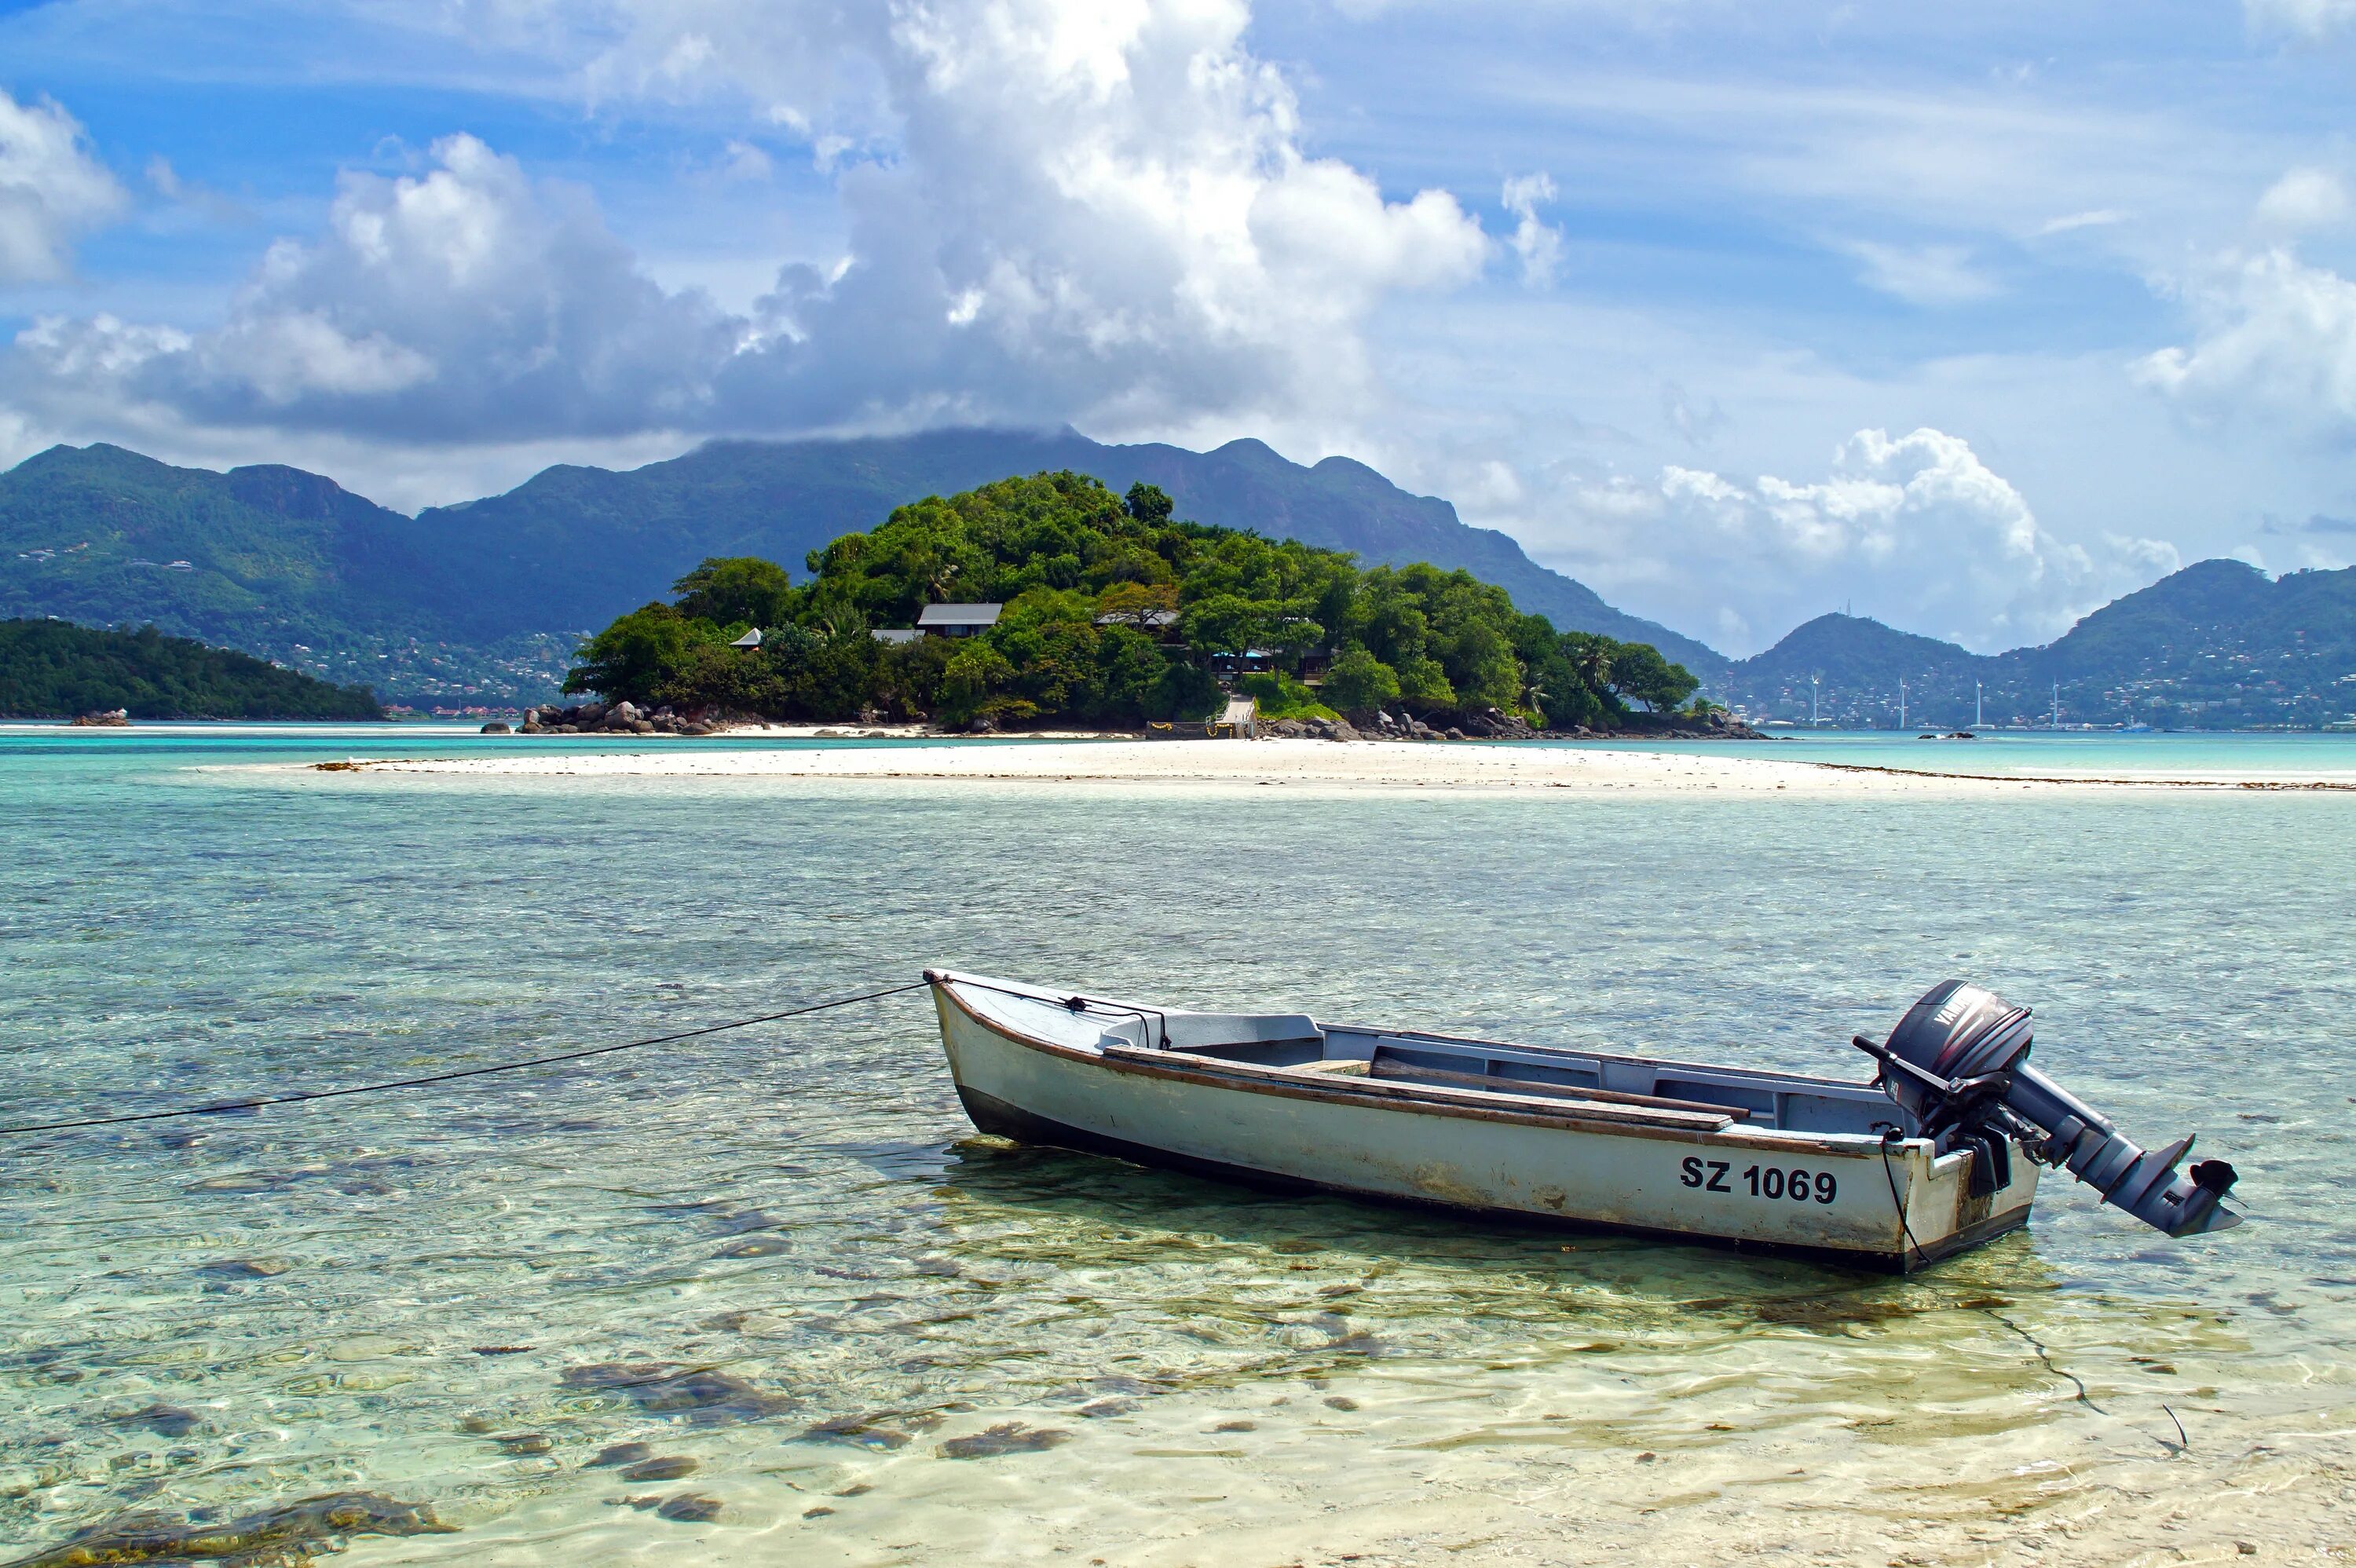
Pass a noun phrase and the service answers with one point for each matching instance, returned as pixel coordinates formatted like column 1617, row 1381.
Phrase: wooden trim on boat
column 1245, row 1079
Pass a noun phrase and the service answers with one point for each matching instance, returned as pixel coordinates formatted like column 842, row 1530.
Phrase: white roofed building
column 958, row 619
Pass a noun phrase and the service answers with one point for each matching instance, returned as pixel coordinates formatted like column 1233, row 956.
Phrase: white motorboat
column 1934, row 1156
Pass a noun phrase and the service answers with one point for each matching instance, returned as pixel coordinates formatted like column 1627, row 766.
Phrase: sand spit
column 1280, row 763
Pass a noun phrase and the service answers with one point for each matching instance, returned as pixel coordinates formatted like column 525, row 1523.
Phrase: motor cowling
column 1958, row 1064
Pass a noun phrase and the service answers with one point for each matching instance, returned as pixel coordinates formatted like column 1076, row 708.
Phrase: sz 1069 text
column 1771, row 1181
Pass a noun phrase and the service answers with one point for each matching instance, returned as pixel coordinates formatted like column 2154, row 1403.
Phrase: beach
column 1727, row 768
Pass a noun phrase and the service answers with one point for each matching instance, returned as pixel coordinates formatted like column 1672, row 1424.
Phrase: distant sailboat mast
column 1975, row 705
column 1901, row 702
column 2057, row 705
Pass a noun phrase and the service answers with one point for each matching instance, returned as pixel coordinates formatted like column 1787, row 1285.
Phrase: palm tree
column 1594, row 663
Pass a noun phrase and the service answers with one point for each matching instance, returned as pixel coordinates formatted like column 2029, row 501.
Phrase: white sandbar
column 1304, row 763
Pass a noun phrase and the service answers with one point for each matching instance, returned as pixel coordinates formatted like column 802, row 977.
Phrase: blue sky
column 1970, row 317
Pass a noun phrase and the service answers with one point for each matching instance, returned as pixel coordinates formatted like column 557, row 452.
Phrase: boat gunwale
column 1734, row 1133
column 1767, row 1076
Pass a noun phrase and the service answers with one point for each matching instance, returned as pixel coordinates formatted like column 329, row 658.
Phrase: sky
column 1967, row 317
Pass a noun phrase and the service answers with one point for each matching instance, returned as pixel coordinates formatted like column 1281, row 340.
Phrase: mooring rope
column 1891, row 1135
column 221, row 1108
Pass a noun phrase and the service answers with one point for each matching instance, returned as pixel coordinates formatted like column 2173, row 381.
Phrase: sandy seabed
column 1287, row 763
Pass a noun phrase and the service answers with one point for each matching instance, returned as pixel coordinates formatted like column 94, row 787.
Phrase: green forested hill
column 280, row 563
column 1112, row 612
column 2216, row 646
column 1849, row 651
column 53, row 669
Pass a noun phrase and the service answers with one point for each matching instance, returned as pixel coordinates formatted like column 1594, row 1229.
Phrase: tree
column 1358, row 682
column 972, row 680
column 1184, row 692
column 1293, row 634
column 1423, row 682
column 1226, row 623
column 1149, row 504
column 1481, row 665
column 737, row 590
column 1640, row 673
column 1130, row 675
column 1138, row 605
column 1590, row 653
column 627, row 660
column 712, row 675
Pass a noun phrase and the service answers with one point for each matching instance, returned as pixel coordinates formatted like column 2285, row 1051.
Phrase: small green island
column 56, row 669
column 1050, row 601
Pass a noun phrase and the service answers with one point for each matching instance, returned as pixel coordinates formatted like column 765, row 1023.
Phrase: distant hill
column 54, row 669
column 485, row 602
column 2216, row 646
column 282, row 564
column 1847, row 652
column 577, row 546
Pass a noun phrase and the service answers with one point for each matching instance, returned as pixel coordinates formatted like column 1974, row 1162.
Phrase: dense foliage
column 54, row 669
column 1114, row 613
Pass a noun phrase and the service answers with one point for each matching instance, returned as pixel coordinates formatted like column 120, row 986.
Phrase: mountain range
column 484, row 601
column 2216, row 646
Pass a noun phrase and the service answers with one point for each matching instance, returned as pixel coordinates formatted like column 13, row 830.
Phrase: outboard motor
column 1958, row 1063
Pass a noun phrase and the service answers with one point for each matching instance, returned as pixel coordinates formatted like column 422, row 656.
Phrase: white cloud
column 1539, row 245
column 1935, row 275
column 52, row 190
column 1916, row 530
column 2301, row 19
column 2275, row 334
column 2097, row 217
column 463, row 304
column 2303, row 199
column 1058, row 210
column 746, row 162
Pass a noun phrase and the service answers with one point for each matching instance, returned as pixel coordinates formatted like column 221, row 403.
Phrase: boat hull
column 1828, row 1198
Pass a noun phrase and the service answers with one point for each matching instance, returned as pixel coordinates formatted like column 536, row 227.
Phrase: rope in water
column 221, row 1108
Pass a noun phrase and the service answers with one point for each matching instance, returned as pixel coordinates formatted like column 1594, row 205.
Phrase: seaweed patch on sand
column 287, row 1536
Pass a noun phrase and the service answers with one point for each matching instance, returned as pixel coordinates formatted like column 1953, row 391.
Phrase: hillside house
column 958, row 619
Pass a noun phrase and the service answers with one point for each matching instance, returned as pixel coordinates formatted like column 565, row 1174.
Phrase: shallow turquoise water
column 2191, row 754
column 425, row 1295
